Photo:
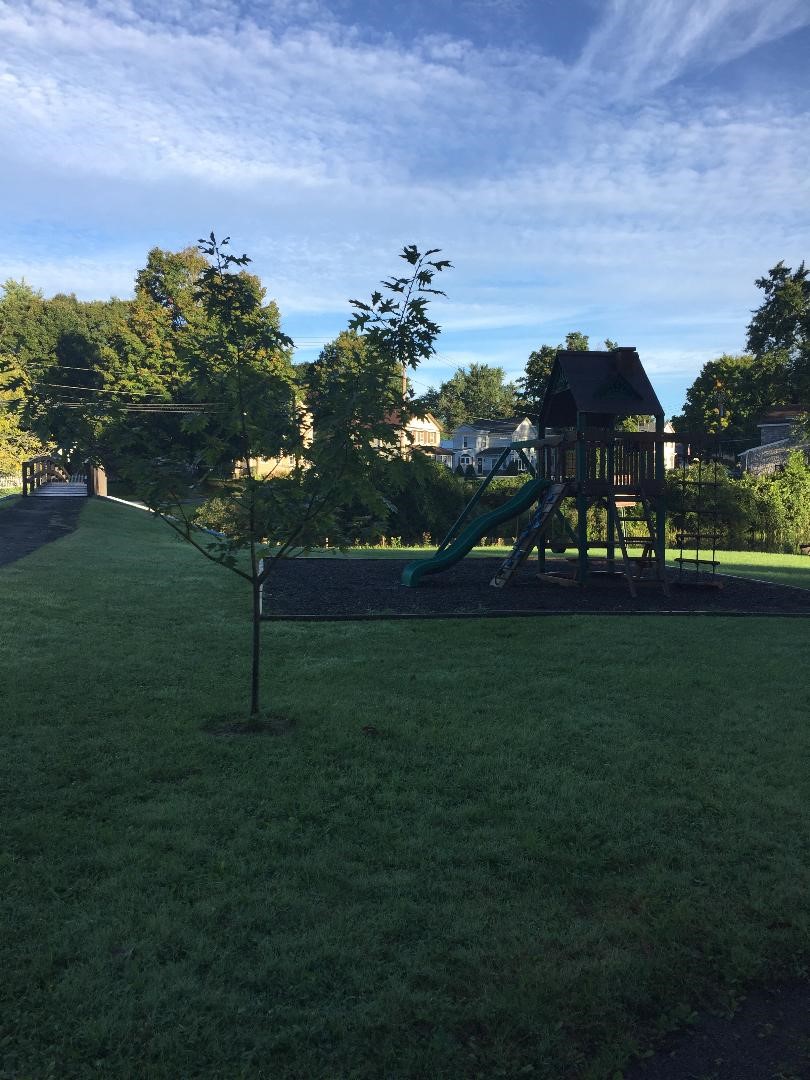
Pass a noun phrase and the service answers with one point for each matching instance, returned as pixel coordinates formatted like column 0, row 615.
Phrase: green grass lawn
column 568, row 834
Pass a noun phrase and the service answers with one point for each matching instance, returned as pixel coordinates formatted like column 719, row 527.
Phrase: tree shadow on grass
column 265, row 724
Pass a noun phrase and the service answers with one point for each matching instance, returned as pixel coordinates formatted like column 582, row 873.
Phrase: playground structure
column 696, row 518
column 583, row 457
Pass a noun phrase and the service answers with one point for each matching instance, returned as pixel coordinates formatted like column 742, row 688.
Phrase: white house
column 669, row 445
column 480, row 443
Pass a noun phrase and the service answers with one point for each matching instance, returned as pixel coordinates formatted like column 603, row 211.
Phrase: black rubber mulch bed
column 343, row 588
column 768, row 1038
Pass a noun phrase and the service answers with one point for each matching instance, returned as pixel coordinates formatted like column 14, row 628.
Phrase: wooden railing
column 41, row 470
column 603, row 459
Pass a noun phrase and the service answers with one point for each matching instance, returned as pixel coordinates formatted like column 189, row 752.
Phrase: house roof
column 427, row 448
column 394, row 418
column 603, row 384
column 506, row 425
column 491, row 451
column 785, row 414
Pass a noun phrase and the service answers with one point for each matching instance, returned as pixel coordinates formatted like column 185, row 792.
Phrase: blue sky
column 626, row 168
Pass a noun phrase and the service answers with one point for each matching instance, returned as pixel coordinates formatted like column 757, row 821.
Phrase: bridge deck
column 62, row 490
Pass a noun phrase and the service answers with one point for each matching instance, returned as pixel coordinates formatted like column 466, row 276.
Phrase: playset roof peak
column 600, row 383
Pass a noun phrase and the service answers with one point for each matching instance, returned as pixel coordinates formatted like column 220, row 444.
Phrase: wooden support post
column 541, row 554
column 611, row 512
column 660, row 502
column 582, row 499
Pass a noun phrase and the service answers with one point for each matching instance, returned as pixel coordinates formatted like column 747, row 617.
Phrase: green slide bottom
column 466, row 541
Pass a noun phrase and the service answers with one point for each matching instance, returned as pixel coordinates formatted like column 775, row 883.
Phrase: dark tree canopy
column 52, row 356
column 731, row 393
column 781, row 325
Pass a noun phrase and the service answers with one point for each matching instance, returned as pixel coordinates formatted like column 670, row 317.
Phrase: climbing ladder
column 643, row 526
column 539, row 522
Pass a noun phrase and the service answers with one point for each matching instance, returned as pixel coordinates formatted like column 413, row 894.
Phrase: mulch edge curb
column 375, row 617
column 556, row 612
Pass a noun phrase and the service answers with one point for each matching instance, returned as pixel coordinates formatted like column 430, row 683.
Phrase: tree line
column 65, row 364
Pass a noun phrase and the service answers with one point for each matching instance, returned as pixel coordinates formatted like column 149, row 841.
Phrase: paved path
column 32, row 522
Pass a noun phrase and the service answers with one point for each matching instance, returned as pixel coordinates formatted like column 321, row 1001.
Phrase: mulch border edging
column 375, row 617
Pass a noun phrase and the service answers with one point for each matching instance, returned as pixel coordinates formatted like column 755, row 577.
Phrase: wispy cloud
column 642, row 45
column 322, row 150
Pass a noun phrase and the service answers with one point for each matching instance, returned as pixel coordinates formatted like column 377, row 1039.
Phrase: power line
column 154, row 410
column 93, row 389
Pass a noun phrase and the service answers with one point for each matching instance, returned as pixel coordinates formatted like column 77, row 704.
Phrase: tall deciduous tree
column 731, row 392
column 479, row 391
column 52, row 356
column 781, row 326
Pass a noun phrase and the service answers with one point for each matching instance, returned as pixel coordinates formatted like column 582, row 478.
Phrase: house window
column 464, row 442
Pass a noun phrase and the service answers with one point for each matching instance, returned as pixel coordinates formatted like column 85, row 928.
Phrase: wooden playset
column 583, row 455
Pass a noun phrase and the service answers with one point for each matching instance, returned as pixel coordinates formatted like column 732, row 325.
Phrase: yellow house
column 420, row 432
column 282, row 466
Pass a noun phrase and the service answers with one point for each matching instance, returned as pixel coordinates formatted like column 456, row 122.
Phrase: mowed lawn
column 567, row 835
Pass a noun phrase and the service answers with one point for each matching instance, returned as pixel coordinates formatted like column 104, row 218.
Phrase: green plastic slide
column 480, row 526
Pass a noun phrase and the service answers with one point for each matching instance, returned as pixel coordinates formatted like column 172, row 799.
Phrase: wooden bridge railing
column 41, row 470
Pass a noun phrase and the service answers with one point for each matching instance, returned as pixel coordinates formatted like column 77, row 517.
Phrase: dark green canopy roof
column 603, row 385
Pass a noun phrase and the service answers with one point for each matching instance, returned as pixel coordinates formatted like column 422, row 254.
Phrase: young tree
column 251, row 408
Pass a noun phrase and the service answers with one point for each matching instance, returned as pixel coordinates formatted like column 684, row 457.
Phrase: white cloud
column 645, row 44
column 322, row 153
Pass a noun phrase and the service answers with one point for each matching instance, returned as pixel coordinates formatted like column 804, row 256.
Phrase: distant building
column 418, row 432
column 669, row 447
column 779, row 437
column 263, row 468
column 442, row 455
column 480, row 443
